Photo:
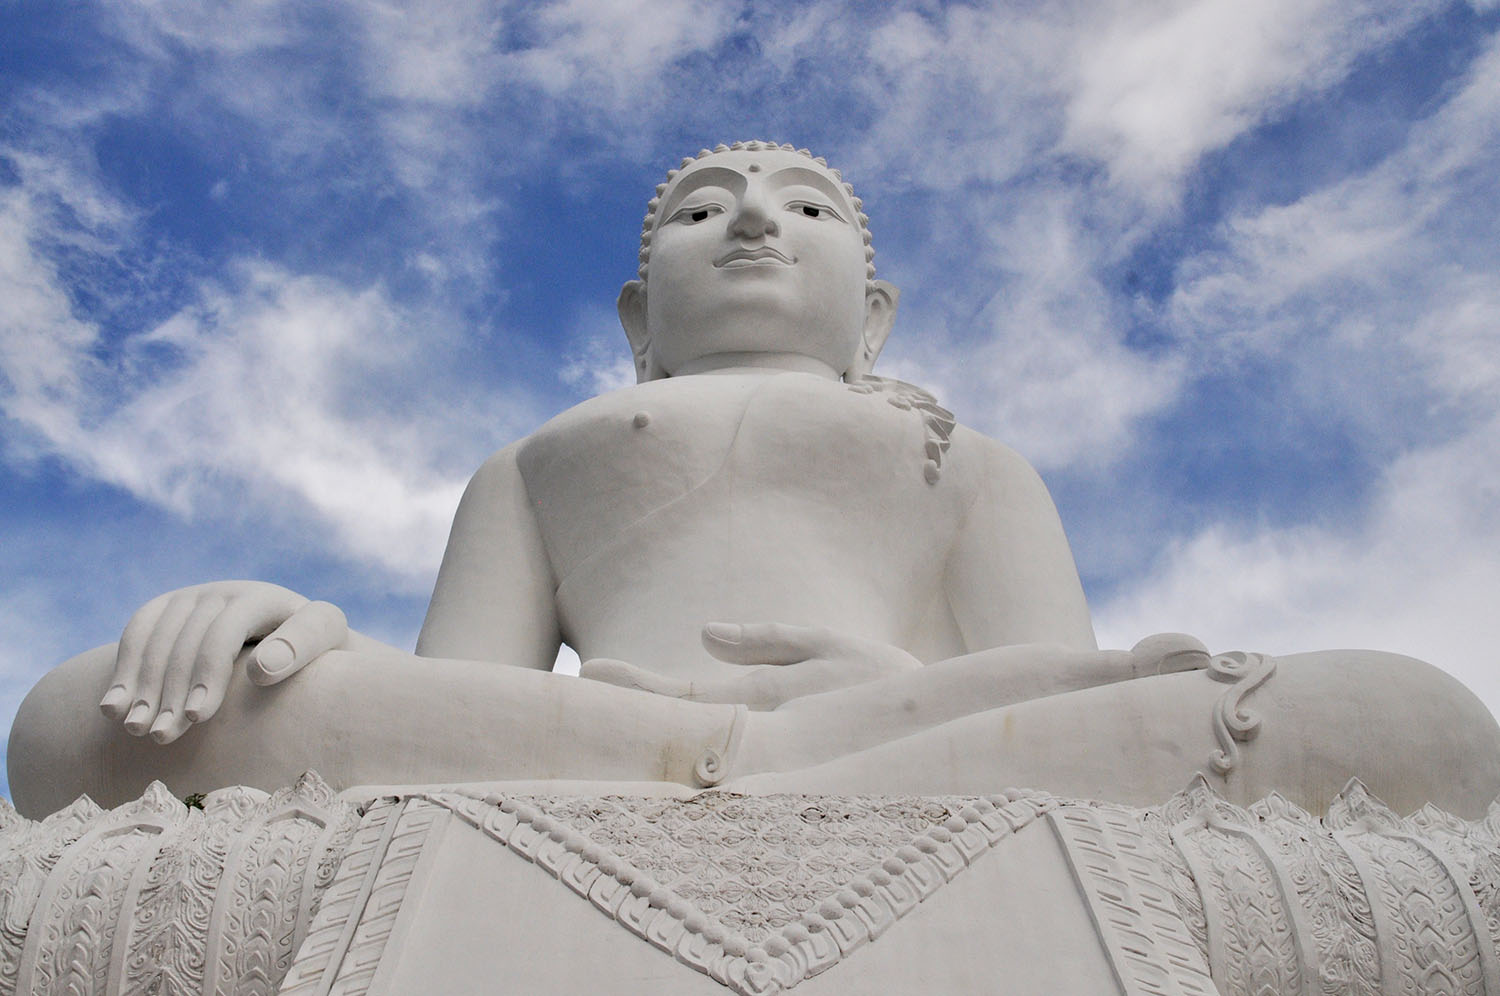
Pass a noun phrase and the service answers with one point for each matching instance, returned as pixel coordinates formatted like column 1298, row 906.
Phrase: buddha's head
column 756, row 254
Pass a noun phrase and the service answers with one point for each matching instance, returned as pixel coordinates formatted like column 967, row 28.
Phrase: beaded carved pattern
column 155, row 897
column 758, row 893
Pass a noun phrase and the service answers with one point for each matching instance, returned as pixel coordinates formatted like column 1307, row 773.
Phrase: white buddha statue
column 782, row 574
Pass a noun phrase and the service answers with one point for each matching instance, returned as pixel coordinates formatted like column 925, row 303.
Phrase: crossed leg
column 1410, row 732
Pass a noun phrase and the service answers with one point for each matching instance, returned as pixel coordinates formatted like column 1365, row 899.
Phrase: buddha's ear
column 880, row 314
column 632, row 308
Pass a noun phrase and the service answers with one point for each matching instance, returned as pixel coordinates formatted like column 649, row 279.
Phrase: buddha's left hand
column 781, row 662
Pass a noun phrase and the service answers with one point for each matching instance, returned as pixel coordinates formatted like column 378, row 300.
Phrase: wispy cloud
column 1386, row 280
column 283, row 384
column 1160, row 85
column 1415, row 574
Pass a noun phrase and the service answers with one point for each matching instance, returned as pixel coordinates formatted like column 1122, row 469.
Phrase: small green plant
column 193, row 800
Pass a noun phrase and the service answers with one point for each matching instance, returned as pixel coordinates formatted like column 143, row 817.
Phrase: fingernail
column 195, row 701
column 274, row 656
column 162, row 726
column 136, row 721
column 725, row 632
column 114, row 699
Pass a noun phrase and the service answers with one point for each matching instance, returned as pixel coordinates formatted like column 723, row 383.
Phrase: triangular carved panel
column 758, row 893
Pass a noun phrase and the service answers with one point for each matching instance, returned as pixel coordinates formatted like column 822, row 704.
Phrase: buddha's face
column 755, row 253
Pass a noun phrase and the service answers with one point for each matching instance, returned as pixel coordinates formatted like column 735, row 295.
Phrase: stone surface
column 753, row 895
column 158, row 897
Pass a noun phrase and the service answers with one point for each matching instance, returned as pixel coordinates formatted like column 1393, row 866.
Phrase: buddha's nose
column 753, row 218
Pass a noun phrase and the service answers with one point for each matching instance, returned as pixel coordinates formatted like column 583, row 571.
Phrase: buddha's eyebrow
column 708, row 176
column 812, row 178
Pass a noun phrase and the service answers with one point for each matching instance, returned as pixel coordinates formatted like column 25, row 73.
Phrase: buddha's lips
column 746, row 256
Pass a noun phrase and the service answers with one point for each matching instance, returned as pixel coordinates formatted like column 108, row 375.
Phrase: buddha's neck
column 756, row 363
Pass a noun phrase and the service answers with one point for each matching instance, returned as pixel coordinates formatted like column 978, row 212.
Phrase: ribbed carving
column 1152, row 950
column 343, row 904
column 155, row 897
column 28, row 853
column 757, row 893
column 1359, row 903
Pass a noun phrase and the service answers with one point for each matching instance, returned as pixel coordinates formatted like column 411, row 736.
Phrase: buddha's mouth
column 754, row 256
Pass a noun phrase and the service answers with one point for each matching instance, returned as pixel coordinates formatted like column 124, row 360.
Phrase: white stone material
column 802, row 584
column 781, row 572
column 159, row 897
column 452, row 890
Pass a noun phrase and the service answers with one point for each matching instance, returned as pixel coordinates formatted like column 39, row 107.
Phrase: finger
column 613, row 672
column 244, row 619
column 153, row 665
column 116, row 702
column 312, row 631
column 766, row 643
column 171, row 716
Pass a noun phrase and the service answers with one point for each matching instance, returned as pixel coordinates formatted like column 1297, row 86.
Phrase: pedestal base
column 461, row 891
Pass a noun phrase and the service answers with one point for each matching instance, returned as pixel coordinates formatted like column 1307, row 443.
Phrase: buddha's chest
column 760, row 463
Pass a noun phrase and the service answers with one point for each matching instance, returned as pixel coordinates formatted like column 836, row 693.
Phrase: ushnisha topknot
column 754, row 146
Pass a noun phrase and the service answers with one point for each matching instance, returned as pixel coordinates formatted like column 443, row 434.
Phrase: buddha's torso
column 743, row 498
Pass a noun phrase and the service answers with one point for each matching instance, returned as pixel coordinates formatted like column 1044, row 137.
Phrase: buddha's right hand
column 780, row 663
column 177, row 653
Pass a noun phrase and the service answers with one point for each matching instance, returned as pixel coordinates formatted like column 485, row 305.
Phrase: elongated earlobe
column 880, row 314
column 632, row 308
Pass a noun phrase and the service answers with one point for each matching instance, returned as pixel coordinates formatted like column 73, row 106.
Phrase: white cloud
column 1063, row 387
column 989, row 108
column 1417, row 574
column 1400, row 257
column 232, row 27
column 614, row 51
column 1043, row 365
column 1158, row 85
column 597, row 366
column 440, row 54
column 968, row 94
column 1384, row 282
column 301, row 393
column 254, row 389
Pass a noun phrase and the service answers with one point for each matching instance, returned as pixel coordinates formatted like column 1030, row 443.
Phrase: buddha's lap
column 1324, row 717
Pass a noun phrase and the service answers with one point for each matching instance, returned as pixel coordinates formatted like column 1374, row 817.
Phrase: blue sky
column 276, row 277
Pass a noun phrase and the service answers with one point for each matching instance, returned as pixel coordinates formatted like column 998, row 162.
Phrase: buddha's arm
column 494, row 595
column 493, row 602
column 1010, row 577
column 360, row 718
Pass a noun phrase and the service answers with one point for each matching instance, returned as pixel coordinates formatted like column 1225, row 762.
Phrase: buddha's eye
column 819, row 211
column 693, row 215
